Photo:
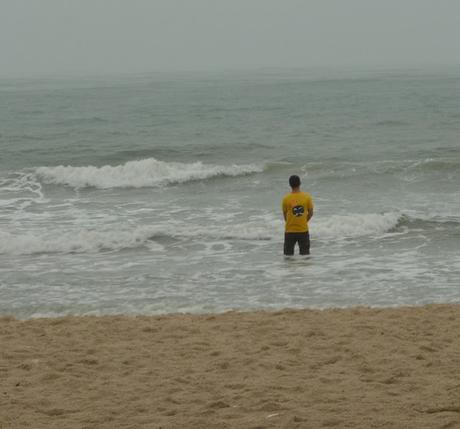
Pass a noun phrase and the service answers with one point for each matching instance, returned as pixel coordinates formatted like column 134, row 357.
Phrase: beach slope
column 350, row 368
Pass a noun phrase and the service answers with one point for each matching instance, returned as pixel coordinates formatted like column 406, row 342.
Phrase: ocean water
column 159, row 193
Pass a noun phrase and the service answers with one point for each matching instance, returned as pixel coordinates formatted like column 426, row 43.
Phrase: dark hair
column 294, row 181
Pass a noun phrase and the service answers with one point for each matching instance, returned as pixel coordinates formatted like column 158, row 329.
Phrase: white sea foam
column 137, row 174
column 20, row 188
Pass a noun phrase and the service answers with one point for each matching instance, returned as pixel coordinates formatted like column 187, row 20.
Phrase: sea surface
column 161, row 193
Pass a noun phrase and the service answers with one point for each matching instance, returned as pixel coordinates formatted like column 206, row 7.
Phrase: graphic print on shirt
column 298, row 211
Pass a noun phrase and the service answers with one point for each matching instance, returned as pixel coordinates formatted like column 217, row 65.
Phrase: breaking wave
column 89, row 241
column 356, row 225
column 148, row 172
column 93, row 241
column 82, row 241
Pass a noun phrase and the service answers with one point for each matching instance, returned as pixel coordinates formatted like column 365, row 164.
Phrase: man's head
column 294, row 181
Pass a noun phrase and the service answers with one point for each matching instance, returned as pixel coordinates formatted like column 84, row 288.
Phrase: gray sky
column 99, row 36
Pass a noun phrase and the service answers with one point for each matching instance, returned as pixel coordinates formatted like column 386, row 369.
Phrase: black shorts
column 290, row 240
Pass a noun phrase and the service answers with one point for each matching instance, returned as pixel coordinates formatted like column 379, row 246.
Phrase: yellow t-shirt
column 295, row 209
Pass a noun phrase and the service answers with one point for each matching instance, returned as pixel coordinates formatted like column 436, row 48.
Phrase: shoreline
column 356, row 367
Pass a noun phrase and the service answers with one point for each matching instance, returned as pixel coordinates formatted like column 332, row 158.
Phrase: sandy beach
column 352, row 368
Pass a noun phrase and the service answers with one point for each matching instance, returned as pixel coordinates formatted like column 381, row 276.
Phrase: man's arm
column 310, row 209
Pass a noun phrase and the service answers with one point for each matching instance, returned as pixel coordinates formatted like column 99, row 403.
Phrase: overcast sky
column 99, row 36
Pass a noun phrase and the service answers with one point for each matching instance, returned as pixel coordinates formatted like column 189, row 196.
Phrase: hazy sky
column 98, row 36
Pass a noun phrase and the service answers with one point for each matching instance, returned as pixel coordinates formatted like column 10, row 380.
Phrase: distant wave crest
column 402, row 168
column 138, row 174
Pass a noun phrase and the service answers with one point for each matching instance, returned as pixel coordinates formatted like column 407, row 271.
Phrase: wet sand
column 354, row 368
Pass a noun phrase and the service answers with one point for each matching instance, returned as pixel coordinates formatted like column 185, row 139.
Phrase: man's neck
column 295, row 190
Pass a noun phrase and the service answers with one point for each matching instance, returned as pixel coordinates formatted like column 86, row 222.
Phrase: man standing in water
column 297, row 211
